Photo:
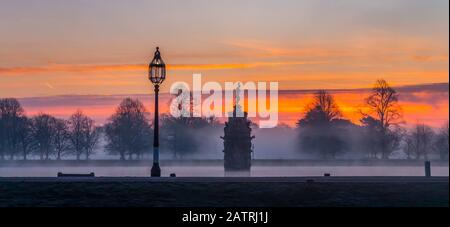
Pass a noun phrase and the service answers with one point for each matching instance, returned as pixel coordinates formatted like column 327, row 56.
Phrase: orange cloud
column 138, row 67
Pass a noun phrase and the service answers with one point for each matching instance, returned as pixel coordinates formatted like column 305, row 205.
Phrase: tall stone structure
column 237, row 141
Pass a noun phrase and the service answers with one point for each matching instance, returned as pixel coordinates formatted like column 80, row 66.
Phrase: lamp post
column 156, row 74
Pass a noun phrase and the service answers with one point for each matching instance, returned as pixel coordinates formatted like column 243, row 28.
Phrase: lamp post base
column 156, row 171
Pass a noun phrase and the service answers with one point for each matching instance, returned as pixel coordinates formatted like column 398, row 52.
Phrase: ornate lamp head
column 157, row 69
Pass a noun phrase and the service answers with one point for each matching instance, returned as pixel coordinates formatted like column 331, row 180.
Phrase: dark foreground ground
column 226, row 192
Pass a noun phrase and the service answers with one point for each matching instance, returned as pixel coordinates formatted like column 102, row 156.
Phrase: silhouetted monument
column 237, row 141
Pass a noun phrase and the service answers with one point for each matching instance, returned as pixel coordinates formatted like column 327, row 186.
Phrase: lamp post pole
column 156, row 170
column 157, row 74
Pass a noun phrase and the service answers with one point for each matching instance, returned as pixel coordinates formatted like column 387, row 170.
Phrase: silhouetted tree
column 420, row 140
column 76, row 125
column 61, row 138
column 11, row 121
column 322, row 110
column 84, row 135
column 441, row 144
column 128, row 131
column 178, row 135
column 26, row 137
column 372, row 136
column 184, row 135
column 384, row 116
column 375, row 141
column 321, row 129
column 2, row 134
column 91, row 137
column 408, row 146
column 43, row 128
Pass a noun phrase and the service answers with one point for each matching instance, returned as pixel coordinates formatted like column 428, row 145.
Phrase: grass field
column 222, row 194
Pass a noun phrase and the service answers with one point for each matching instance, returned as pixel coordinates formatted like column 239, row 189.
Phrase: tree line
column 128, row 133
column 322, row 131
column 44, row 135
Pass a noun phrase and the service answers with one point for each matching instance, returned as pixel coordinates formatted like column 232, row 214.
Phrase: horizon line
column 282, row 91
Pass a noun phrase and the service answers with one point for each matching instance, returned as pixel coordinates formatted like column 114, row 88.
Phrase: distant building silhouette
column 237, row 141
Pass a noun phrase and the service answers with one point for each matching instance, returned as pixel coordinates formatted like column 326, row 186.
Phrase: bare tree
column 378, row 143
column 61, row 138
column 91, row 135
column 2, row 133
column 322, row 109
column 441, row 144
column 178, row 134
column 184, row 135
column 372, row 136
column 420, row 141
column 11, row 118
column 26, row 137
column 128, row 131
column 43, row 131
column 322, row 129
column 408, row 147
column 386, row 112
column 77, row 127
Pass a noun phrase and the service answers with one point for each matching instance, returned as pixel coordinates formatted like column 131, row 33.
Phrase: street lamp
column 156, row 74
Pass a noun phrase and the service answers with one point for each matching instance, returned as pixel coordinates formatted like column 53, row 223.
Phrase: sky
column 102, row 47
column 419, row 104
